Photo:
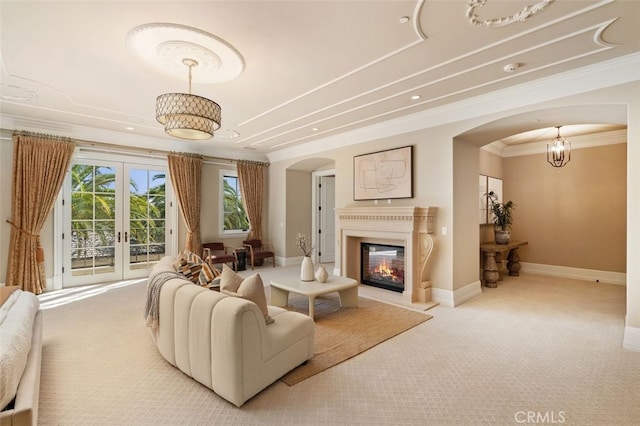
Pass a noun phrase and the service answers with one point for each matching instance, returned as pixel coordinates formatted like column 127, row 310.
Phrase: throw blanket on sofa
column 154, row 285
column 17, row 314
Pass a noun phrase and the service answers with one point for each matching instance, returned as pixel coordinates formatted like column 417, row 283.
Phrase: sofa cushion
column 229, row 280
column 180, row 258
column 195, row 269
column 191, row 270
column 250, row 288
column 207, row 275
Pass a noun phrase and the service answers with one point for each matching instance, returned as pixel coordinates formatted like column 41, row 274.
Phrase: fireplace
column 382, row 266
column 408, row 227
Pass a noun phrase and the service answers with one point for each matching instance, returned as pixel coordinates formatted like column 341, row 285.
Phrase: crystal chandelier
column 558, row 150
column 188, row 116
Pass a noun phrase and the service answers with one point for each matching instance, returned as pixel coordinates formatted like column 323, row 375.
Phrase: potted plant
column 502, row 218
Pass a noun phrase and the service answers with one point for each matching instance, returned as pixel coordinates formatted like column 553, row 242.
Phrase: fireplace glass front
column 382, row 266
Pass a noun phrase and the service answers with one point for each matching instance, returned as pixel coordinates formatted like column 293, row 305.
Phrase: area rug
column 342, row 333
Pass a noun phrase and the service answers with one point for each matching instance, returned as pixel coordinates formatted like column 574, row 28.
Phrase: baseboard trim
column 595, row 275
column 631, row 339
column 456, row 298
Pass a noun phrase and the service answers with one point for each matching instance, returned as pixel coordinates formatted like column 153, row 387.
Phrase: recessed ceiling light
column 415, row 97
column 130, row 128
column 509, row 68
column 403, row 19
column 315, row 129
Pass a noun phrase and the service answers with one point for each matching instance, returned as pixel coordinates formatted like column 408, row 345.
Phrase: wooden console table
column 496, row 253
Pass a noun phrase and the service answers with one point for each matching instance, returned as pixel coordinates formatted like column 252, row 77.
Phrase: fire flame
column 383, row 269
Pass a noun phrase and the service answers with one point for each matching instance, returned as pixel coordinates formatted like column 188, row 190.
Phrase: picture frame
column 383, row 175
column 483, row 200
column 495, row 185
column 486, row 185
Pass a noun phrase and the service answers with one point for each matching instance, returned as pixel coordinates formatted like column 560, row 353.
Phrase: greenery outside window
column 234, row 217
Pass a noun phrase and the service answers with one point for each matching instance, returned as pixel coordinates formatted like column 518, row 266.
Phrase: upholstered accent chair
column 218, row 253
column 257, row 251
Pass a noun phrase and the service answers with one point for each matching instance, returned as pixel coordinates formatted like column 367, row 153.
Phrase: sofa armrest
column 234, row 320
column 248, row 355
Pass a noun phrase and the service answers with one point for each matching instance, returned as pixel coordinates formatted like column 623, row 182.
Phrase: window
column 233, row 218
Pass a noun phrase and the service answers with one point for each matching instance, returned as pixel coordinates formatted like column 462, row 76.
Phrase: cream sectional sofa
column 223, row 342
column 20, row 356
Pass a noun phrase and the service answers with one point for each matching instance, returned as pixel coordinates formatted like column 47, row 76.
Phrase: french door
column 116, row 220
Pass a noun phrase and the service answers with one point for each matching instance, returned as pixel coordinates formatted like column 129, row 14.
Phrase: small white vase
column 306, row 269
column 322, row 274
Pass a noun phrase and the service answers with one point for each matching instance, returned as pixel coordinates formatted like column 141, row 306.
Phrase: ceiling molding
column 613, row 137
column 592, row 140
column 420, row 39
column 599, row 45
column 604, row 74
column 119, row 139
column 496, row 148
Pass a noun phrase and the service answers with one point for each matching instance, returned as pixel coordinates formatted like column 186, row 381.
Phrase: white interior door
column 327, row 228
column 114, row 221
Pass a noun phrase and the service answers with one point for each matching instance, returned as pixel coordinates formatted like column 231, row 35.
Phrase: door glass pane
column 146, row 217
column 93, row 208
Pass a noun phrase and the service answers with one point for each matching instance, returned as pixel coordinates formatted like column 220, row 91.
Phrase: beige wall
column 490, row 164
column 573, row 216
column 465, row 218
column 570, row 204
column 633, row 213
column 298, row 216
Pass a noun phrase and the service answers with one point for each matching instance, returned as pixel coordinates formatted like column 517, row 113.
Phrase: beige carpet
column 535, row 344
column 342, row 333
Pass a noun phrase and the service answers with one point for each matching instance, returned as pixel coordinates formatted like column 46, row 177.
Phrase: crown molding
column 123, row 139
column 612, row 137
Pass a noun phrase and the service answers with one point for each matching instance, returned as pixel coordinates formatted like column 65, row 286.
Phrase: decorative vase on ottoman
column 322, row 274
column 306, row 269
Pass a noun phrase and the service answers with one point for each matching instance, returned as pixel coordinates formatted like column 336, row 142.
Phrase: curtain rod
column 95, row 146
column 41, row 135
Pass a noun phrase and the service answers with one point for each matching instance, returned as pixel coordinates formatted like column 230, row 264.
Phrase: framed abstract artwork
column 383, row 175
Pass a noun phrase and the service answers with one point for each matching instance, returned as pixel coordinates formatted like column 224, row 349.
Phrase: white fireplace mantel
column 410, row 227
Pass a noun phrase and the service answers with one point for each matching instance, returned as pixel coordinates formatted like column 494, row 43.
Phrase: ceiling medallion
column 521, row 16
column 226, row 134
column 164, row 46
